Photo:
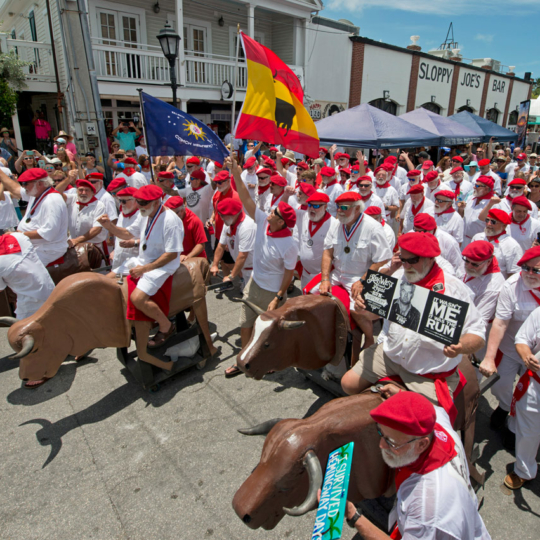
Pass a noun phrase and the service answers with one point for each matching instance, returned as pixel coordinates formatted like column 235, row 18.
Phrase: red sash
column 162, row 298
column 314, row 226
column 9, row 244
column 458, row 189
column 416, row 209
column 520, row 223
column 521, row 388
column 282, row 233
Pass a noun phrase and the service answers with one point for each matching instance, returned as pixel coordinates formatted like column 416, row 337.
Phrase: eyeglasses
column 515, row 188
column 28, row 158
column 440, row 201
column 478, row 186
column 473, row 264
column 219, row 182
column 250, row 146
column 344, row 207
column 392, row 444
column 365, row 186
column 124, row 201
column 95, row 181
column 491, row 221
column 314, row 206
column 277, row 214
column 265, row 177
column 410, row 260
column 526, row 268
column 165, row 179
column 143, row 203
column 190, row 166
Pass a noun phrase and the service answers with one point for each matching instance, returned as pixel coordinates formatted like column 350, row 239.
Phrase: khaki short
column 259, row 297
column 374, row 364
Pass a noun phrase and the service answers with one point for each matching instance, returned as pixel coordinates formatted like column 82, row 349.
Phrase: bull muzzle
column 27, row 346
column 313, row 465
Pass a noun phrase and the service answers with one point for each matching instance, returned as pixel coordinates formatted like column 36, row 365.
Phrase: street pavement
column 92, row 455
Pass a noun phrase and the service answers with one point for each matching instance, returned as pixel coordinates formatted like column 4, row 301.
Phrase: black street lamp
column 170, row 45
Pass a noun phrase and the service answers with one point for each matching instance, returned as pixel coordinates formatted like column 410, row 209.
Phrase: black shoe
column 509, row 440
column 498, row 419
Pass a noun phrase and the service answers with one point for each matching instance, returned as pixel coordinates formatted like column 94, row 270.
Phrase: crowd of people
column 464, row 225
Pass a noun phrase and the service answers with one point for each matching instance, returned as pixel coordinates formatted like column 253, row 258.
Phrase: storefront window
column 433, row 107
column 465, row 108
column 386, row 106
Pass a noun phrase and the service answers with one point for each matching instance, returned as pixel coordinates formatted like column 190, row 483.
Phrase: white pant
column 152, row 281
column 503, row 389
column 526, row 426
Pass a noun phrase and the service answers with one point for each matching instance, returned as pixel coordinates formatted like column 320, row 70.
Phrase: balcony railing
column 37, row 54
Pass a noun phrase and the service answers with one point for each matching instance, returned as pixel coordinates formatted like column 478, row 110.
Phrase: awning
column 483, row 127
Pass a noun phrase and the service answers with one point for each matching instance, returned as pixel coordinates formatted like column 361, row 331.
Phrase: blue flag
column 171, row 131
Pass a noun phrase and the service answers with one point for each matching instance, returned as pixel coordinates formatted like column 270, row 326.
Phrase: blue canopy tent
column 450, row 131
column 484, row 128
column 365, row 126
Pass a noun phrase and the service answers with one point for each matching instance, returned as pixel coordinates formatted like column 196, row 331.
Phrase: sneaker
column 498, row 419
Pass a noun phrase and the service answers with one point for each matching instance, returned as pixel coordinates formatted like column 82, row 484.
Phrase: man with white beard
column 331, row 186
column 161, row 236
column 376, row 213
column 96, row 179
column 417, row 204
column 473, row 215
column 364, row 186
column 249, row 175
column 263, row 195
column 435, row 499
column 484, row 166
column 310, row 231
column 446, row 216
column 413, row 178
column 434, row 185
column 460, row 187
column 523, row 229
column 417, row 359
column 45, row 222
column 519, row 297
column 516, row 188
column 389, row 197
column 507, row 250
column 129, row 212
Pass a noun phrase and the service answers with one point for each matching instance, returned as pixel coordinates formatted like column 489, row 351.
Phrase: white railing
column 37, row 54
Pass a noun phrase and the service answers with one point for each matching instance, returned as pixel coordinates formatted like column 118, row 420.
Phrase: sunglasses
column 392, row 444
column 314, row 206
column 491, row 221
column 344, row 207
column 219, row 182
column 410, row 260
column 515, row 188
column 365, row 186
column 95, row 181
column 277, row 214
column 28, row 158
column 143, row 203
column 124, row 201
column 526, row 268
column 190, row 166
column 440, row 201
column 263, row 177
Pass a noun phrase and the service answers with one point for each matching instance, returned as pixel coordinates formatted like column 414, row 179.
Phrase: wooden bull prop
column 307, row 333
column 88, row 310
column 295, row 452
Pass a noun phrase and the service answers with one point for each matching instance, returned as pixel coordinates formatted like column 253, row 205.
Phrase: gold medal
column 144, row 247
column 347, row 249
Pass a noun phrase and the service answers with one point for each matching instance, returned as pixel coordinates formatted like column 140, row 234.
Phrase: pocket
column 361, row 251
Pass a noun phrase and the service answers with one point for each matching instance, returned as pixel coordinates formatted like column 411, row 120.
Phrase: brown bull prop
column 87, row 311
column 307, row 333
column 295, row 452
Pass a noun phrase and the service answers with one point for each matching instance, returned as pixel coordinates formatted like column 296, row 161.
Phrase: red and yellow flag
column 273, row 110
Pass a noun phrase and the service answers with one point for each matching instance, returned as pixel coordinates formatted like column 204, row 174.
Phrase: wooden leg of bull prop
column 201, row 314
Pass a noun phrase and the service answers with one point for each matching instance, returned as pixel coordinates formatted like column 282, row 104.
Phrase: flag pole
column 233, row 107
column 145, row 134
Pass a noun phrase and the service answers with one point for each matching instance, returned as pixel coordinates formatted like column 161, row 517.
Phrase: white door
column 195, row 45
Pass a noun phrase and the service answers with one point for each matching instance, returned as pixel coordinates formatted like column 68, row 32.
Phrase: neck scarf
column 331, row 183
column 282, row 233
column 495, row 238
column 314, row 226
column 130, row 214
column 449, row 210
column 492, row 268
column 264, row 189
column 275, row 198
column 234, row 226
column 383, row 186
column 438, row 184
column 520, row 223
column 483, row 197
column 416, row 209
column 83, row 204
column 434, row 277
column 367, row 197
column 128, row 171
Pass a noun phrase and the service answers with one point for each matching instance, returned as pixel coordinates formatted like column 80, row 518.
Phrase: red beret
column 500, row 215
column 445, row 193
column 167, row 174
column 193, row 159
column 318, row 198
column 148, row 193
column 344, row 155
column 273, row 149
column 365, row 178
column 522, row 201
column 307, row 189
column 418, row 188
column 222, row 175
column 522, row 156
column 198, row 174
column 33, row 174
column 229, row 207
column 420, row 244
column 349, row 196
column 479, row 250
column 484, row 162
column 387, row 167
column 96, row 175
column 345, row 170
column 486, row 180
column 431, row 175
column 115, row 184
column 425, row 221
column 373, row 211
column 458, row 159
column 174, row 202
column 130, row 161
column 286, row 211
column 264, row 170
column 278, row 180
column 379, row 169
column 250, row 162
column 85, row 183
column 427, row 164
column 328, row 171
column 391, row 159
column 127, row 192
column 517, row 182
column 406, row 412
column 302, row 165
column 456, row 170
column 218, row 165
column 531, row 253
column 285, row 161
column 414, row 172
column 323, row 149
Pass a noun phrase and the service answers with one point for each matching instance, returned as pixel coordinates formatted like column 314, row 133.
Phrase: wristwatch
column 357, row 515
column 280, row 298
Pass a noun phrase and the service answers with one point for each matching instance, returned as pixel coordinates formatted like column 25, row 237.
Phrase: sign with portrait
column 523, row 120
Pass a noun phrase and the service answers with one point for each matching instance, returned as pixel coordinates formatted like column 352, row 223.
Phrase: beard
column 222, row 188
column 475, row 272
column 147, row 210
column 228, row 220
column 394, row 462
column 414, row 276
column 530, row 282
column 317, row 215
column 83, row 198
column 380, row 181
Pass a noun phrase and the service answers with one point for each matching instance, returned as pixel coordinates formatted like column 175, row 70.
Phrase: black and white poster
column 429, row 313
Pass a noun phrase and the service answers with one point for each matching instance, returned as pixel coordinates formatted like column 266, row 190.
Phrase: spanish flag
column 273, row 110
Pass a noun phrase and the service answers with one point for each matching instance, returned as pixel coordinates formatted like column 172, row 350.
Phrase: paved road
column 91, row 455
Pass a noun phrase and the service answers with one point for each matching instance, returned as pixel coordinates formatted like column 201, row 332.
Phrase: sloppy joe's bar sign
column 429, row 72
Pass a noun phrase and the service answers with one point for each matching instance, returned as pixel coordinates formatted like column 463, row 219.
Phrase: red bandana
column 483, row 198
column 520, row 223
column 303, row 207
column 314, row 226
column 82, row 204
column 509, row 199
column 522, row 387
column 434, row 277
column 264, row 189
column 331, row 183
column 203, row 184
column 9, row 244
column 493, row 268
column 367, row 197
column 495, row 238
column 128, row 171
column 450, row 210
column 416, row 209
column 385, row 185
column 130, row 214
column 234, row 226
column 282, row 233
column 458, row 188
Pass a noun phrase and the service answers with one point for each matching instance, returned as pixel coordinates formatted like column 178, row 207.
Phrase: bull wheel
column 201, row 364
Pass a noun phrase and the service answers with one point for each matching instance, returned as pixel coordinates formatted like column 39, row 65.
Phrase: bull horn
column 8, row 320
column 313, row 465
column 255, row 308
column 260, row 429
column 291, row 325
column 27, row 346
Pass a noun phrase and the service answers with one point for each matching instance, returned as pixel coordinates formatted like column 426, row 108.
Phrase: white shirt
column 450, row 251
column 507, row 251
column 250, row 179
column 465, row 190
column 200, row 201
column 311, row 255
column 486, row 290
column 136, row 180
column 82, row 219
column 367, row 245
column 263, row 201
column 8, row 216
column 374, row 200
column 472, row 225
column 141, row 151
column 108, row 201
column 524, row 233
column 419, row 354
column 427, row 207
column 272, row 256
column 242, row 242
column 515, row 304
column 389, row 197
column 390, row 235
column 430, row 194
column 452, row 223
column 123, row 254
column 333, row 192
column 506, row 205
column 50, row 220
column 401, row 174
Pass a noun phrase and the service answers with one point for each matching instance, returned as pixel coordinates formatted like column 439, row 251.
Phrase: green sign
column 331, row 511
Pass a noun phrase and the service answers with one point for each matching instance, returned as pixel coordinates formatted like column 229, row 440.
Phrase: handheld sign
column 331, row 511
column 426, row 312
